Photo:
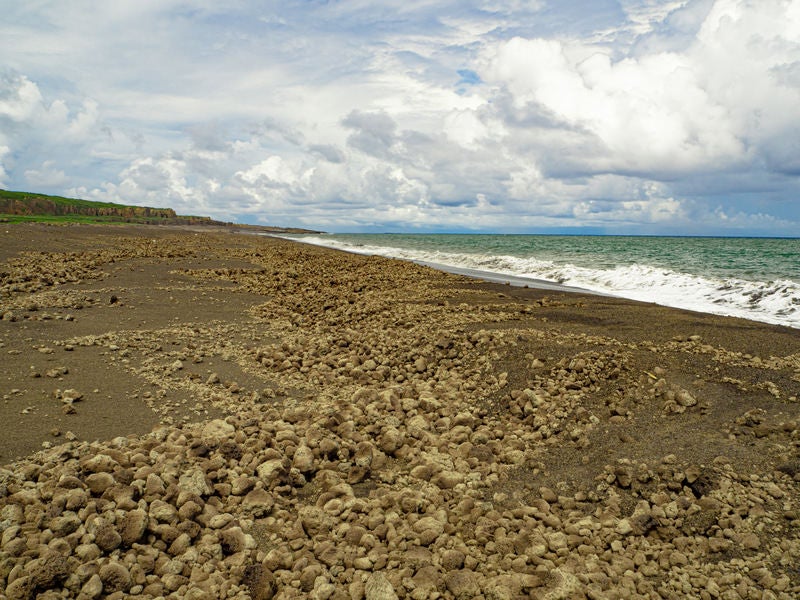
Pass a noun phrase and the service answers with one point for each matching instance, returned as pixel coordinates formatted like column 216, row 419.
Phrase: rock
column 260, row 581
column 358, row 474
column 65, row 524
column 173, row 581
column 241, row 485
column 303, row 459
column 685, row 399
column 194, row 482
column 133, row 526
column 447, row 480
column 390, row 441
column 115, row 577
column 548, row 495
column 623, row 527
column 99, row 482
column 309, row 576
column 218, row 429
column 624, row 476
column 328, row 554
column 452, row 560
column 233, row 540
column 48, row 571
column 428, row 529
column 91, row 589
column 417, row 426
column 70, row 396
column 426, row 581
column 69, row 482
column 748, row 540
column 180, row 545
column 363, row 455
column 107, row 538
column 463, row 584
column 270, row 470
column 315, row 521
column 163, row 511
column 258, row 502
column 189, row 510
column 329, row 448
column 564, row 584
column 99, row 463
column 378, row 587
column 22, row 588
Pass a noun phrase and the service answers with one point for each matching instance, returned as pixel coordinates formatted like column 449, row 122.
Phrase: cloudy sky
column 615, row 116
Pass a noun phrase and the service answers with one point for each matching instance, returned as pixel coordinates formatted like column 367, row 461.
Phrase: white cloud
column 271, row 171
column 19, row 97
column 651, row 115
column 45, row 177
column 4, row 150
column 649, row 13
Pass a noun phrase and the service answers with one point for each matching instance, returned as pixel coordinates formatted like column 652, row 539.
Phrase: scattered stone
column 69, row 396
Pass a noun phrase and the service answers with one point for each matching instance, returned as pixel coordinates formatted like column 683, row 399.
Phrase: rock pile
column 419, row 438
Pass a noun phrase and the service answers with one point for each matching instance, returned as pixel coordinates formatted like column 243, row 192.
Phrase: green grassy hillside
column 29, row 206
column 17, row 207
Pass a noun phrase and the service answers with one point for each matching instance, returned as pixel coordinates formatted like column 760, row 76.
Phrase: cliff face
column 42, row 205
column 32, row 205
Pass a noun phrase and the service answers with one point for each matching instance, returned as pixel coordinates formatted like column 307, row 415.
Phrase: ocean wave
column 776, row 302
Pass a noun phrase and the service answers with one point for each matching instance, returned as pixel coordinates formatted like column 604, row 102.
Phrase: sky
column 595, row 116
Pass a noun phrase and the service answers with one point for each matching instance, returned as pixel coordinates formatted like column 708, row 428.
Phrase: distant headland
column 30, row 206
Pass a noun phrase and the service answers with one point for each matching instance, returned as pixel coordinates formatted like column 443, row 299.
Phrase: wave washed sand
column 285, row 421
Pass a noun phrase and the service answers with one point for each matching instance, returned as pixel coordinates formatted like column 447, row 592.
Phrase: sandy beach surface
column 201, row 414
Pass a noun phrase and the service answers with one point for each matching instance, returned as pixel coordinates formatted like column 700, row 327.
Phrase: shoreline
column 701, row 303
column 488, row 276
column 297, row 421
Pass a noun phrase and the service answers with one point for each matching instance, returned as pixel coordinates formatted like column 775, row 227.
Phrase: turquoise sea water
column 755, row 278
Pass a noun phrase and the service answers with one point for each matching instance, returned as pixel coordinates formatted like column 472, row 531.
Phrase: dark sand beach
column 200, row 414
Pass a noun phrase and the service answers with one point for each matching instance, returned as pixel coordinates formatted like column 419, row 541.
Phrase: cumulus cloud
column 496, row 114
column 19, row 97
column 47, row 176
column 651, row 115
column 4, row 150
column 373, row 132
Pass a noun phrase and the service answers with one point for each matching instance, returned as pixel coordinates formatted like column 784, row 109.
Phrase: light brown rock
column 378, row 587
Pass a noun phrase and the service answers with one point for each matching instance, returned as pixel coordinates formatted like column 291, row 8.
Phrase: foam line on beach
column 514, row 280
column 768, row 301
column 489, row 276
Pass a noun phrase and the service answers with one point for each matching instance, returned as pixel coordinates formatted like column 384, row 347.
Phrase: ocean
column 754, row 278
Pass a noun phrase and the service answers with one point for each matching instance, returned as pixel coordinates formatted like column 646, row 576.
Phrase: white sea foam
column 775, row 302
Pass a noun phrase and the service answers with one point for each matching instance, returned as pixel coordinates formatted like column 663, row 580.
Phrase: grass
column 26, row 207
column 64, row 219
column 62, row 201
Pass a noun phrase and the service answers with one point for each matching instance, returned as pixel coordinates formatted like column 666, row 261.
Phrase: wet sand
column 310, row 423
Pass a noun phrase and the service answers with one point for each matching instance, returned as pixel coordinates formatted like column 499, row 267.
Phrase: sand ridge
column 287, row 421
